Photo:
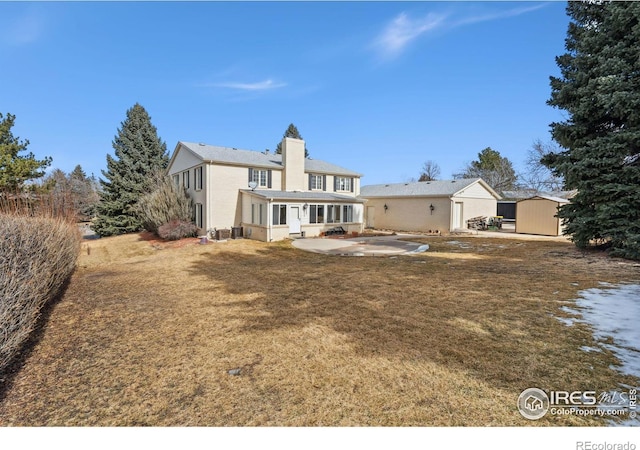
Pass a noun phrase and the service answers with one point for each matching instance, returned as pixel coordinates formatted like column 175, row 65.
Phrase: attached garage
column 428, row 206
column 537, row 215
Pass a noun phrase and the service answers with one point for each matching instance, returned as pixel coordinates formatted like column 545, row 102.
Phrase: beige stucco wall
column 293, row 160
column 413, row 213
column 331, row 184
column 184, row 160
column 536, row 216
column 410, row 214
column 477, row 191
column 474, row 207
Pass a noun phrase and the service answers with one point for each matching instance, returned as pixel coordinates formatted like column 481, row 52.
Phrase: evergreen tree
column 292, row 132
column 599, row 89
column 14, row 168
column 84, row 193
column 497, row 171
column 139, row 154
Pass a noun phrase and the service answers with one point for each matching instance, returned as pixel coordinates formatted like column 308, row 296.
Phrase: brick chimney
column 293, row 162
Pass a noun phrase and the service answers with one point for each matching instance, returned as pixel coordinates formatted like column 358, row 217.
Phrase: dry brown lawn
column 147, row 333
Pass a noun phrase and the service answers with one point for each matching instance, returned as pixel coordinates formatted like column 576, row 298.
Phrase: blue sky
column 377, row 87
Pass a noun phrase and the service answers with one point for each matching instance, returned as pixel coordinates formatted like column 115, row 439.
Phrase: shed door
column 294, row 220
column 457, row 215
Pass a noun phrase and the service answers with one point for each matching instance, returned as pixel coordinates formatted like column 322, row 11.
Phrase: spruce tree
column 496, row 170
column 599, row 89
column 291, row 132
column 139, row 153
column 16, row 169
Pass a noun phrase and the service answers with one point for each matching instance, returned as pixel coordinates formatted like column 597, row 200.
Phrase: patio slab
column 361, row 246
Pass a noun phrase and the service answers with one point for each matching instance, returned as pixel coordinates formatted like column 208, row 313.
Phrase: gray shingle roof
column 524, row 194
column 304, row 196
column 440, row 188
column 251, row 158
column 547, row 197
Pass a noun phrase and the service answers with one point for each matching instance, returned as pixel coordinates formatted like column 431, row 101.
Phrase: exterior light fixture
column 385, row 207
column 305, row 206
column 431, row 208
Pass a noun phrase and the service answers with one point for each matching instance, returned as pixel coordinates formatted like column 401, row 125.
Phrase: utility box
column 223, row 234
column 236, row 232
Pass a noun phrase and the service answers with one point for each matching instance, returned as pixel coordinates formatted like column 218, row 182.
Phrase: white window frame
column 316, row 182
column 185, row 179
column 197, row 173
column 176, row 179
column 260, row 177
column 347, row 213
column 258, row 213
column 199, row 213
column 278, row 210
column 313, row 214
column 344, row 184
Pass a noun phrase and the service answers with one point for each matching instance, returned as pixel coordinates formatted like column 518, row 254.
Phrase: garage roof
column 440, row 188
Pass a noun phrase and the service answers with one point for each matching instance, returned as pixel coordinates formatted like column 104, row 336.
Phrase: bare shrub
column 177, row 229
column 166, row 203
column 38, row 253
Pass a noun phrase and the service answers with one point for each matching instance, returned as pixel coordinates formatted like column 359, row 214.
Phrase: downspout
column 269, row 218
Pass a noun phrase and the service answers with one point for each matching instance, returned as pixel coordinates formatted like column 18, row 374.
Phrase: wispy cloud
column 403, row 30
column 495, row 16
column 22, row 30
column 264, row 85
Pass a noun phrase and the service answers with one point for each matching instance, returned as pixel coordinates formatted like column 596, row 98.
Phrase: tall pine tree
column 600, row 90
column 139, row 154
column 16, row 169
column 493, row 168
column 291, row 132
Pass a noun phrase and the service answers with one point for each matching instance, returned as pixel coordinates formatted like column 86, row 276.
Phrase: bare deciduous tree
column 430, row 171
column 537, row 176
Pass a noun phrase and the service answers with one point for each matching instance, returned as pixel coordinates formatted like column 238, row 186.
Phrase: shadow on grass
column 13, row 368
column 444, row 311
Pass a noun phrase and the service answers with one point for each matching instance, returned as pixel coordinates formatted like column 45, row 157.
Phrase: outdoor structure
column 428, row 206
column 537, row 215
column 267, row 196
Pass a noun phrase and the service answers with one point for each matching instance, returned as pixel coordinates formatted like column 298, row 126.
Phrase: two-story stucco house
column 270, row 196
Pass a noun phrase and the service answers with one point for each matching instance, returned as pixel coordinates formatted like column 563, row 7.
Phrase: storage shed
column 538, row 215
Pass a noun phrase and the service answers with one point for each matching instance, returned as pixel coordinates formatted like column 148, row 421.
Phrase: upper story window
column 262, row 177
column 185, row 179
column 316, row 182
column 198, row 177
column 343, row 184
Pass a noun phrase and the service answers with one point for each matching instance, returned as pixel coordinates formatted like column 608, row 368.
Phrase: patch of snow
column 614, row 312
column 588, row 349
column 460, row 244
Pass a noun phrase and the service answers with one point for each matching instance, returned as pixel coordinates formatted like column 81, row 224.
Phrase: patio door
column 295, row 225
